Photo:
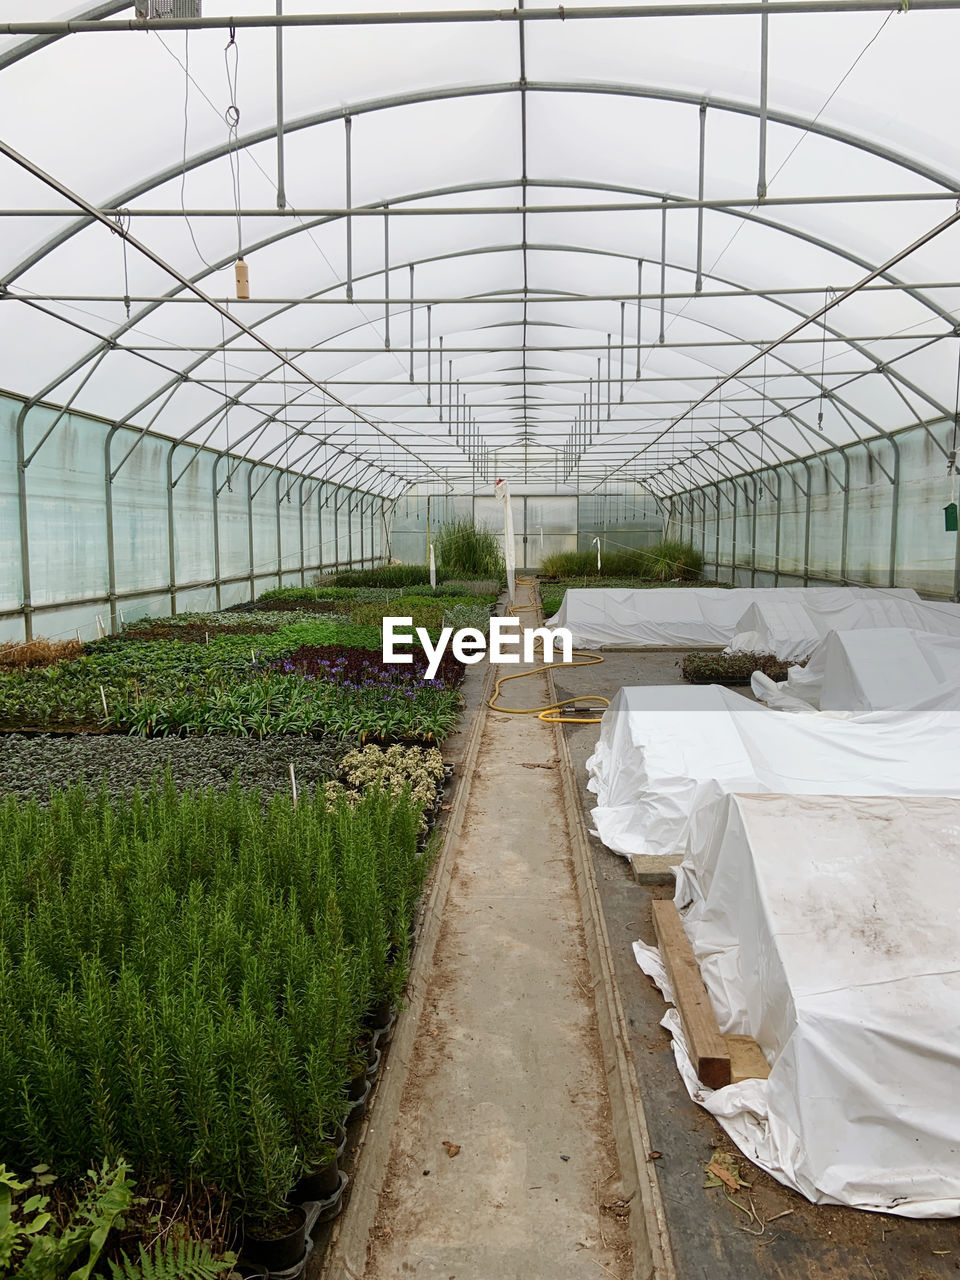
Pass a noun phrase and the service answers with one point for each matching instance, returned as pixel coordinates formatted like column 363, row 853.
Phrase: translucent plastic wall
column 543, row 523
column 871, row 513
column 120, row 523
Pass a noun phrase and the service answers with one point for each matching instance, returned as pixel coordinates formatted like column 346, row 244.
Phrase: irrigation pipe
column 552, row 712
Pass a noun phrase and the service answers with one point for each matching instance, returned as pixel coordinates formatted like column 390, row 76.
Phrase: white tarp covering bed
column 863, row 671
column 692, row 616
column 659, row 744
column 792, row 629
column 826, row 927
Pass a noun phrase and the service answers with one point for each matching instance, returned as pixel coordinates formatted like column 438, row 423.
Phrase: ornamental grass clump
column 467, row 550
column 183, row 980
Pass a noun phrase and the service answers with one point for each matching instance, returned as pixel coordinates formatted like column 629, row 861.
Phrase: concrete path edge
column 652, row 1255
column 346, row 1254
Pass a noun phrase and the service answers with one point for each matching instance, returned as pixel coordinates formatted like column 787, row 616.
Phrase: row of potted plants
column 195, row 983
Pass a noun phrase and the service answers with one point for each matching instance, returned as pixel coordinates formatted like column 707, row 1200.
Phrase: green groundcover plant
column 183, row 979
column 229, row 685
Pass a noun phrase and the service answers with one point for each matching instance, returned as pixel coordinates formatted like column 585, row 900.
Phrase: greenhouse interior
column 479, row 640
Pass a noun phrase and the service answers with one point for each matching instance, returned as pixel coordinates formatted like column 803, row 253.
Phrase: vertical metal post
column 764, row 50
column 171, row 541
column 411, row 321
column 350, row 528
column 698, row 286
column 609, row 371
column 25, row 598
column 894, row 513
column 776, row 571
column 279, row 532
column 303, row 562
column 639, row 312
column 252, row 562
column 703, row 527
column 623, row 339
column 386, row 277
column 663, row 270
column 717, row 540
column 440, row 376
column 215, row 512
column 846, row 515
column 281, row 193
column 348, row 184
column 429, row 353
column 733, row 541
column 753, row 532
column 108, row 512
column 449, row 396
column 806, row 527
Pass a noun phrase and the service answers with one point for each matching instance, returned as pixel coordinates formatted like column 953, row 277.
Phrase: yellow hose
column 545, row 713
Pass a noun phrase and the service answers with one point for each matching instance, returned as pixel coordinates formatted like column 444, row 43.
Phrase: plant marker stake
column 103, row 699
column 100, row 631
column 596, row 543
column 122, row 623
column 293, row 784
column 207, row 634
column 79, row 641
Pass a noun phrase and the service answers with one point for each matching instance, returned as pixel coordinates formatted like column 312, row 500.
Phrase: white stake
column 103, row 699
column 293, row 784
column 122, row 623
column 252, row 658
column 100, row 631
column 79, row 641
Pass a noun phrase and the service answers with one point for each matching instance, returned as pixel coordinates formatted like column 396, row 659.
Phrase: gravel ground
column 32, row 767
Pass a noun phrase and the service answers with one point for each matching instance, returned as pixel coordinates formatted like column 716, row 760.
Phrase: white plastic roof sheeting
column 825, row 927
column 530, row 302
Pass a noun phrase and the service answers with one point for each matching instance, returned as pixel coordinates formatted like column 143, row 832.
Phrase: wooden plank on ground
column 746, row 1059
column 653, row 868
column 708, row 1049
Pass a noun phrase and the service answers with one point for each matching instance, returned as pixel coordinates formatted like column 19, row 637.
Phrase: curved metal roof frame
column 949, row 183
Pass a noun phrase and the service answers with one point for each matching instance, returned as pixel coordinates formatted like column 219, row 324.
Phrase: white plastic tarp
column 659, row 745
column 863, row 671
column 693, row 616
column 792, row 629
column 826, row 928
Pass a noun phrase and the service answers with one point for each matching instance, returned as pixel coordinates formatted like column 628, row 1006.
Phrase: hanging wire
column 187, row 78
column 123, row 226
column 231, row 53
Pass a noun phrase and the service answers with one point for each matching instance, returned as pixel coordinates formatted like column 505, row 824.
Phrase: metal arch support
column 435, row 94
column 575, row 87
column 295, row 230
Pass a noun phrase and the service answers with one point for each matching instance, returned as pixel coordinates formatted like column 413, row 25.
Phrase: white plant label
column 508, row 641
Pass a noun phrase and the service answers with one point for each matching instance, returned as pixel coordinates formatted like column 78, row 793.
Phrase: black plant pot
column 374, row 1068
column 331, row 1208
column 358, row 1084
column 282, row 1251
column 247, row 1271
column 359, row 1106
column 378, row 1015
column 320, row 1184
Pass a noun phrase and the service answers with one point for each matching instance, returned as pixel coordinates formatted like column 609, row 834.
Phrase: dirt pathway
column 506, row 1065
